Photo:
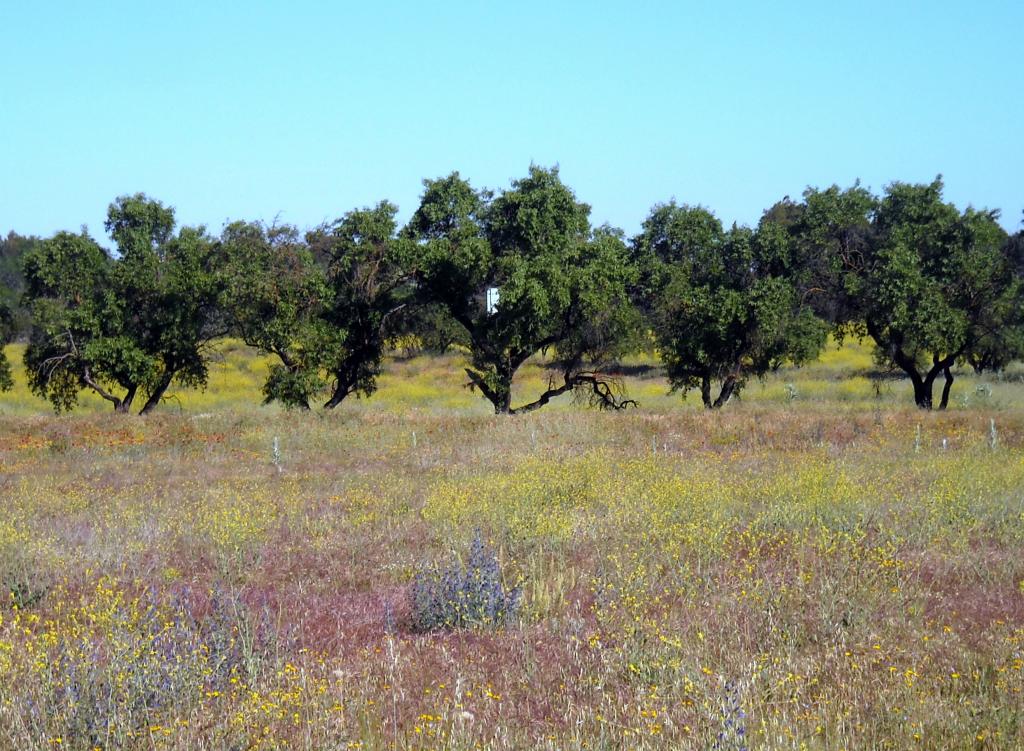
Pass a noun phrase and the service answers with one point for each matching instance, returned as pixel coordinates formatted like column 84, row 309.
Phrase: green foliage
column 274, row 294
column 6, row 325
column 1004, row 341
column 366, row 266
column 122, row 326
column 425, row 328
column 931, row 285
column 321, row 304
column 13, row 250
column 561, row 286
column 828, row 232
column 511, row 275
column 723, row 304
column 67, row 281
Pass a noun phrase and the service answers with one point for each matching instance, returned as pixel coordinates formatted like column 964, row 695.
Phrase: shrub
column 464, row 595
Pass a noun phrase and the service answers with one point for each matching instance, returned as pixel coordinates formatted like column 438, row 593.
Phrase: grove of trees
column 510, row 274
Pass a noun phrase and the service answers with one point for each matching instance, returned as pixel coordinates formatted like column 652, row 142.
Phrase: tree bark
column 503, row 392
column 603, row 393
column 705, row 390
column 922, row 384
column 946, row 387
column 927, row 388
column 345, row 380
column 500, row 397
column 363, row 358
column 728, row 387
column 938, row 366
column 158, row 393
column 121, row 404
column 337, row 396
column 543, row 399
column 922, row 391
column 124, row 405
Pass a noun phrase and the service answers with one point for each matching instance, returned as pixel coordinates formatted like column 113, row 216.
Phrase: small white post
column 491, row 300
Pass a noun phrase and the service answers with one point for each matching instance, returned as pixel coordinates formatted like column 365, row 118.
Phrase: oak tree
column 274, row 293
column 932, row 286
column 122, row 326
column 321, row 304
column 723, row 304
column 367, row 277
column 523, row 272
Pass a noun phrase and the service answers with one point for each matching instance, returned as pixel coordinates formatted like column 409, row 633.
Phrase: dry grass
column 791, row 568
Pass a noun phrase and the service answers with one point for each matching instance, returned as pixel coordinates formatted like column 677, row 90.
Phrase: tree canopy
column 559, row 284
column 321, row 304
column 506, row 276
column 122, row 326
column 932, row 286
column 367, row 272
column 724, row 304
column 13, row 249
column 6, row 328
column 274, row 294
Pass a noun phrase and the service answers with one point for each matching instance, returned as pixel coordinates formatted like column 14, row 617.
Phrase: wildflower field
column 817, row 566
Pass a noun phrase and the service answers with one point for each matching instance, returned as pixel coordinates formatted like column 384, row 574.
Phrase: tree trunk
column 946, row 387
column 503, row 396
column 500, row 395
column 121, row 404
column 923, row 391
column 337, row 397
column 705, row 390
column 124, row 404
column 728, row 387
column 344, row 384
column 922, row 386
column 154, row 399
column 543, row 399
column 361, row 364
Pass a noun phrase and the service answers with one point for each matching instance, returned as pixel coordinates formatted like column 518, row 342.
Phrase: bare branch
column 602, row 392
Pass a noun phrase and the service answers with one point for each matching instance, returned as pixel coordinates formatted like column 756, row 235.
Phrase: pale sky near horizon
column 302, row 111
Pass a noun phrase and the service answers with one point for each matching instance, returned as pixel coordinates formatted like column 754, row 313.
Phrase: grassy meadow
column 819, row 565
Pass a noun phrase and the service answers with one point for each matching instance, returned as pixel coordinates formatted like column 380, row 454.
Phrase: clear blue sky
column 305, row 110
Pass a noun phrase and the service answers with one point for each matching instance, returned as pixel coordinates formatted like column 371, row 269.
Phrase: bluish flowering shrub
column 461, row 595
